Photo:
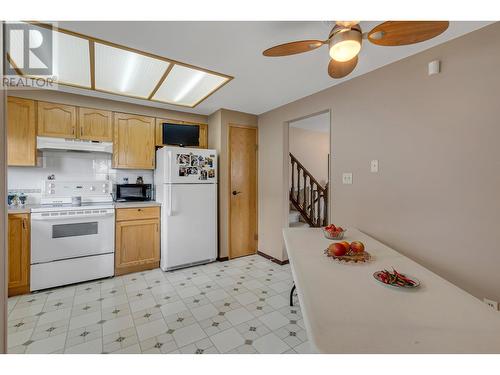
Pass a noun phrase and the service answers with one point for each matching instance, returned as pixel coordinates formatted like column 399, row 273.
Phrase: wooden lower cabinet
column 137, row 242
column 19, row 254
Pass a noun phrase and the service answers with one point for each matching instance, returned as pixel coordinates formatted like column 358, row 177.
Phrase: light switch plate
column 347, row 178
column 374, row 166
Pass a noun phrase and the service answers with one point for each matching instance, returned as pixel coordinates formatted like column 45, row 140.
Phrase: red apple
column 337, row 249
column 357, row 247
column 346, row 245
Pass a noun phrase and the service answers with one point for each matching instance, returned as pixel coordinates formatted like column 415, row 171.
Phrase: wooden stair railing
column 308, row 197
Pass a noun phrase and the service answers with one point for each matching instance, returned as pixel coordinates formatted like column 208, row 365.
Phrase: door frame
column 228, row 194
column 286, row 151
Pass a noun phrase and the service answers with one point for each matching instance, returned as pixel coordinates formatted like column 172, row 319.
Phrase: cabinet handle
column 139, row 209
column 157, row 228
column 81, row 132
column 73, row 131
column 24, row 223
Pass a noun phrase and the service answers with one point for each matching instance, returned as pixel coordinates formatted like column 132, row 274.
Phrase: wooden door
column 95, row 125
column 134, row 141
column 243, row 191
column 56, row 120
column 137, row 245
column 19, row 253
column 21, row 132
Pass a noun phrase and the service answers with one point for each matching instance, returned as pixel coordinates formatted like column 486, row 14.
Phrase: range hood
column 51, row 143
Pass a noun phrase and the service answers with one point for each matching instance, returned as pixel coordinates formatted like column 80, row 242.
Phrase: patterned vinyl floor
column 238, row 306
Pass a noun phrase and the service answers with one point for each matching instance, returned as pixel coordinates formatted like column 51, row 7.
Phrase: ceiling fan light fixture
column 345, row 45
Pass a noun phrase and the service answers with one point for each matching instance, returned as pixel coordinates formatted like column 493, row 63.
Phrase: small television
column 180, row 134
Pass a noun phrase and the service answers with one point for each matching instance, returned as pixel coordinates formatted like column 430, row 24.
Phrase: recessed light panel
column 128, row 73
column 187, row 86
column 71, row 63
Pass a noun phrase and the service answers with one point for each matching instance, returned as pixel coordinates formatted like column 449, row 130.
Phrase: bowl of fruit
column 333, row 233
column 348, row 252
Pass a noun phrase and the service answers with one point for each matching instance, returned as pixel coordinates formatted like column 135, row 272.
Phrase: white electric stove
column 71, row 244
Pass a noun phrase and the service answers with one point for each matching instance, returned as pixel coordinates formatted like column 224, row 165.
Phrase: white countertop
column 27, row 208
column 137, row 204
column 347, row 311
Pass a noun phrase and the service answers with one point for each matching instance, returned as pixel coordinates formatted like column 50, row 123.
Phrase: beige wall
column 311, row 148
column 112, row 105
column 218, row 124
column 436, row 197
column 3, row 217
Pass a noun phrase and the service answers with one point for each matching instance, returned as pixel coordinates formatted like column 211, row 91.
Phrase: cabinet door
column 95, row 125
column 19, row 253
column 134, row 141
column 21, row 132
column 203, row 139
column 56, row 120
column 137, row 245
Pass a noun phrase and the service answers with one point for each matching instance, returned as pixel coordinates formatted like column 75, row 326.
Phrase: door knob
column 236, row 192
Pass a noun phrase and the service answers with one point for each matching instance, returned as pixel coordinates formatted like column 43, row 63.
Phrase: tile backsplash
column 69, row 166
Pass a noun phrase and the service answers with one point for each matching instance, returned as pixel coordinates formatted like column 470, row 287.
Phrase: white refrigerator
column 186, row 186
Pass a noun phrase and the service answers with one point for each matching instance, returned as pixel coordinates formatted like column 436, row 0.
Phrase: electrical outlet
column 374, row 166
column 347, row 178
column 491, row 303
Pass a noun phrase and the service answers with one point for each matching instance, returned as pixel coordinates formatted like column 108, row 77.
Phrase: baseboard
column 273, row 259
column 223, row 259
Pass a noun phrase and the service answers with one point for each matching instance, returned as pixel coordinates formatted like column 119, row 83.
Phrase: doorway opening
column 309, row 170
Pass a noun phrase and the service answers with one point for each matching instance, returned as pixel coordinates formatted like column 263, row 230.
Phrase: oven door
column 71, row 234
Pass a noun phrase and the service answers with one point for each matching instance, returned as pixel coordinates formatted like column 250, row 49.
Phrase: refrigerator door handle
column 169, row 208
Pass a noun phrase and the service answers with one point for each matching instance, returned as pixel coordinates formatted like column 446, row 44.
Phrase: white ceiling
column 235, row 48
column 318, row 123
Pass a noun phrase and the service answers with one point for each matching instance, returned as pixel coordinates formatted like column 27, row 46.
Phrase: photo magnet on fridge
column 210, row 162
column 182, row 171
column 192, row 170
column 211, row 173
column 183, row 159
column 203, row 174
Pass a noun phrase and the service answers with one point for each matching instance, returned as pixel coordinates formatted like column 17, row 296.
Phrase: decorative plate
column 377, row 276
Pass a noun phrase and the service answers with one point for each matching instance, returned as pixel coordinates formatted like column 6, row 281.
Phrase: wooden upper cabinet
column 203, row 137
column 56, row 120
column 19, row 254
column 21, row 132
column 95, row 125
column 134, row 141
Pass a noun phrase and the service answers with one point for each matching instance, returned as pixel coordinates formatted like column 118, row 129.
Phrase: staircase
column 307, row 196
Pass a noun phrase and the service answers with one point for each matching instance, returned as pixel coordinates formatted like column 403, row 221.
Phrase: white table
column 347, row 311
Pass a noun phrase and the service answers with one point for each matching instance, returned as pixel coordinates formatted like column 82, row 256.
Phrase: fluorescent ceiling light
column 71, row 63
column 123, row 72
column 187, row 86
column 95, row 64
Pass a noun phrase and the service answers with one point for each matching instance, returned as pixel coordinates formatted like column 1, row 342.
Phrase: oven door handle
column 65, row 217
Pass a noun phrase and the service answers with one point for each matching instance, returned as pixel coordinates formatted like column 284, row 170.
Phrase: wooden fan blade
column 293, row 48
column 337, row 69
column 400, row 33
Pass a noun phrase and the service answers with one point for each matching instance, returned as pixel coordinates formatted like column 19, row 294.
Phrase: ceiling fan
column 344, row 41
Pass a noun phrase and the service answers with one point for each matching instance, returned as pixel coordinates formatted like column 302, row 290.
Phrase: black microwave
column 133, row 192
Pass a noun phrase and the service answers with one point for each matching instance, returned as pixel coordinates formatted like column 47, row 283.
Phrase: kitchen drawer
column 138, row 213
